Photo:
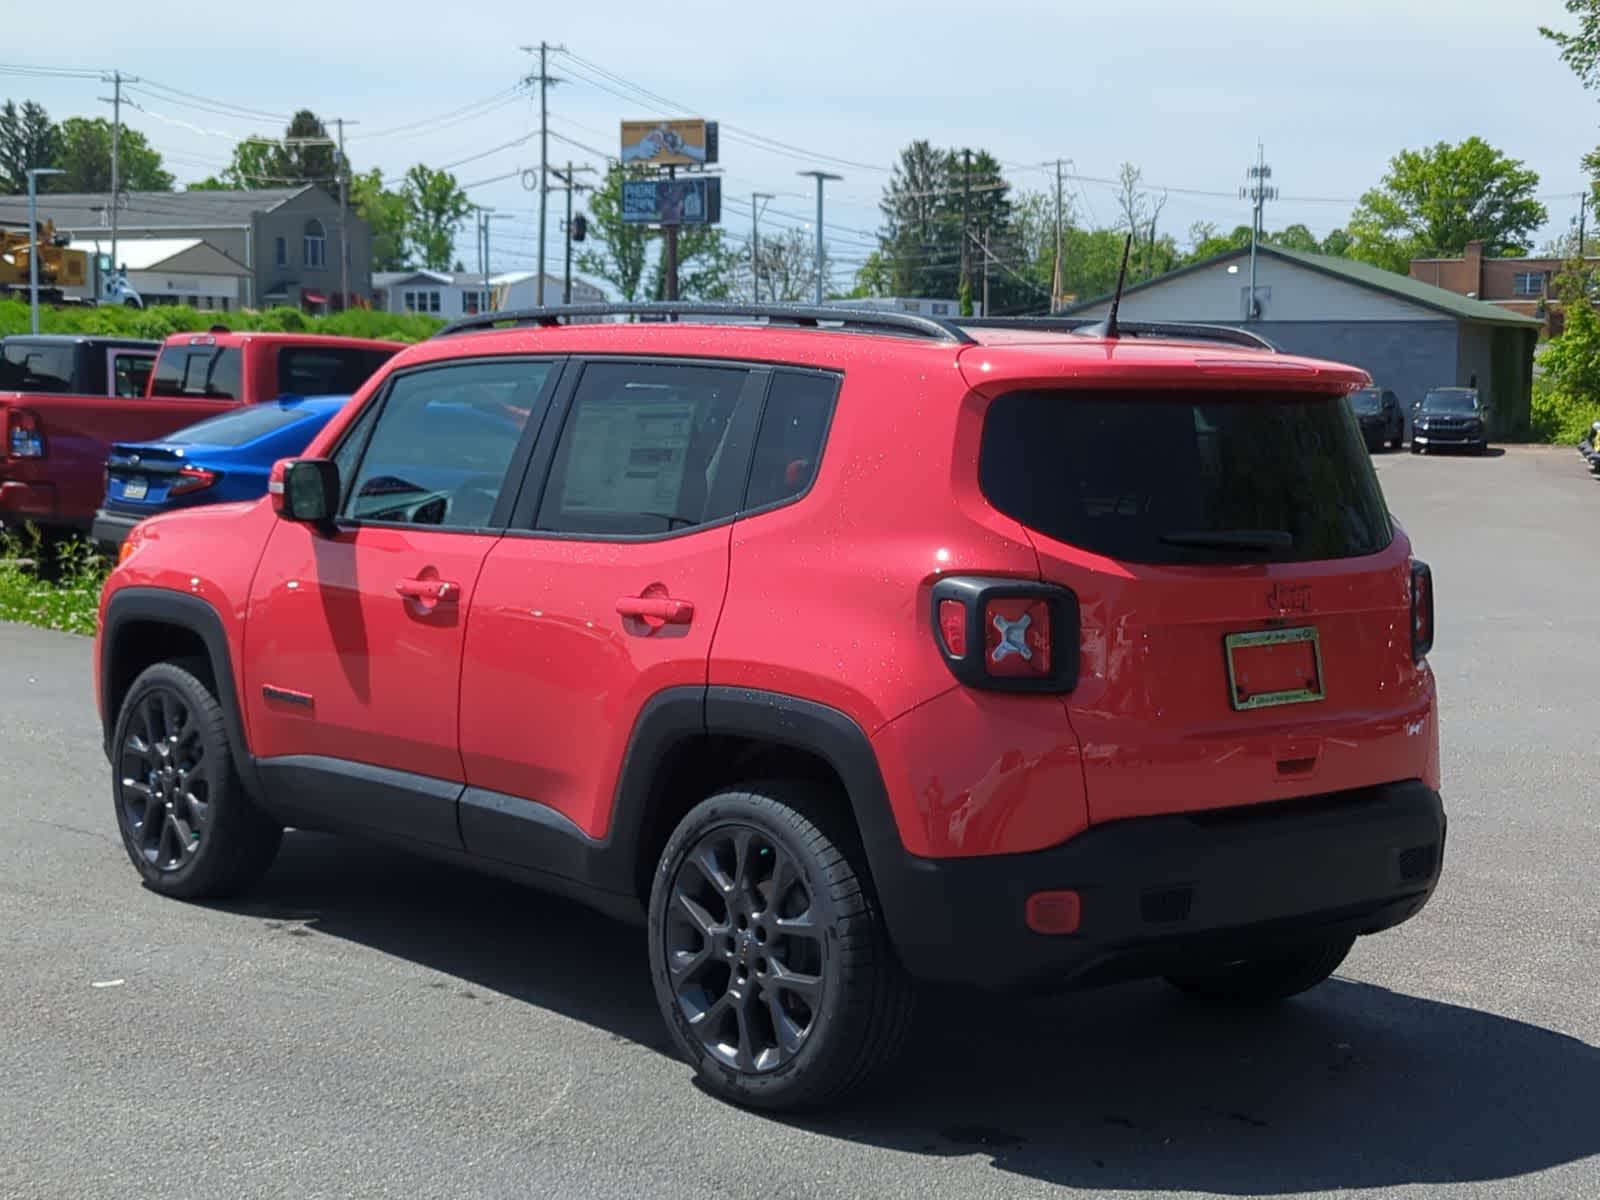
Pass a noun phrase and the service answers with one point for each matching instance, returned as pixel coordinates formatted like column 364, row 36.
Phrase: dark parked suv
column 841, row 649
column 1378, row 413
column 1450, row 417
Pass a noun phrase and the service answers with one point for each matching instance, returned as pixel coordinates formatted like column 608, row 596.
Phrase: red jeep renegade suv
column 842, row 648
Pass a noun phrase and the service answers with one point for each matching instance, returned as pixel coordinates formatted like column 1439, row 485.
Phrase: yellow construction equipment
column 60, row 268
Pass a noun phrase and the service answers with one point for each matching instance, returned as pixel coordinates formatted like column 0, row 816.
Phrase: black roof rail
column 800, row 316
column 1182, row 330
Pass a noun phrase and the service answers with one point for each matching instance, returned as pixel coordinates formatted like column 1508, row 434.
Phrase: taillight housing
column 1421, row 609
column 1007, row 634
column 191, row 479
column 23, row 439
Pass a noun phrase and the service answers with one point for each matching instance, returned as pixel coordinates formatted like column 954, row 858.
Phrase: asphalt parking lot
column 366, row 1024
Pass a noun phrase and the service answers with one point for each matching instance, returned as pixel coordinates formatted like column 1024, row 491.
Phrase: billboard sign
column 686, row 143
column 692, row 200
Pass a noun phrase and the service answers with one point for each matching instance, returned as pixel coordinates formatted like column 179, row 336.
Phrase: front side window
column 130, row 373
column 440, row 446
column 316, row 244
column 643, row 451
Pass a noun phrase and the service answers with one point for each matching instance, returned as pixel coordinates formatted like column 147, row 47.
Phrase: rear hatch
column 1245, row 600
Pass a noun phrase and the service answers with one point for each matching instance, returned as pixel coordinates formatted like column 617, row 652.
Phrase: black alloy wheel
column 744, row 949
column 164, row 780
column 186, row 820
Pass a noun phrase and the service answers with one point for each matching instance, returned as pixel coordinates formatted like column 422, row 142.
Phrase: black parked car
column 1450, row 416
column 1378, row 413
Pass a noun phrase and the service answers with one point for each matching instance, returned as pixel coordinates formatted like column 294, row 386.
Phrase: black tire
column 186, row 822
column 850, row 1019
column 1397, row 443
column 1416, row 449
column 1254, row 982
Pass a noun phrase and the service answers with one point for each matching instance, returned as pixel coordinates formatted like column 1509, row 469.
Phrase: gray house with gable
column 289, row 239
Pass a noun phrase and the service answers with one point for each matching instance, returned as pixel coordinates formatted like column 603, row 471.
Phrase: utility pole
column 38, row 242
column 481, row 215
column 342, row 168
column 669, row 249
column 544, row 80
column 985, row 312
column 1055, row 281
column 756, row 205
column 572, row 185
column 117, row 79
column 1258, row 193
column 821, row 177
column 966, row 198
column 1583, row 204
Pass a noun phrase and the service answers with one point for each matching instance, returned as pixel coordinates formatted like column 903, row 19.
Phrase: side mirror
column 305, row 489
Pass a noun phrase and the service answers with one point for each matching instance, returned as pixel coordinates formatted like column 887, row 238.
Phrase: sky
column 1184, row 90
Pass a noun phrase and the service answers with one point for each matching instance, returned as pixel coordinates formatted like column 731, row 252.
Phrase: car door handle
column 435, row 591
column 662, row 609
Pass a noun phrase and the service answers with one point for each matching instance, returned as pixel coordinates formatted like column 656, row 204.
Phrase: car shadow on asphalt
column 1130, row 1088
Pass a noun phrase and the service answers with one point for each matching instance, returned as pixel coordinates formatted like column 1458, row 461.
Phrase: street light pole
column 33, row 232
column 756, row 206
column 821, row 177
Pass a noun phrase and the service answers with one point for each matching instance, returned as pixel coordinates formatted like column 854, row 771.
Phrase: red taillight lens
column 191, row 479
column 23, row 439
column 1007, row 634
column 1016, row 637
column 1421, row 609
column 953, row 627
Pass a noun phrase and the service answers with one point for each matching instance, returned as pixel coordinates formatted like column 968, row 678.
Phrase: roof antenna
column 1108, row 328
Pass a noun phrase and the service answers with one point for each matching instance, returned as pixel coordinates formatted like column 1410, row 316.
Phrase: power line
column 488, row 104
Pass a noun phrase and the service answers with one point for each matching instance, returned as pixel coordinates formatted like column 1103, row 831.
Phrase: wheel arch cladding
column 691, row 741
column 147, row 625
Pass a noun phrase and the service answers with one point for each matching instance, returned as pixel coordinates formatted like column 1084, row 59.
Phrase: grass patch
column 52, row 585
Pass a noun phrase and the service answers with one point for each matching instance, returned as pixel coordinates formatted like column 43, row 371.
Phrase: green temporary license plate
column 1274, row 666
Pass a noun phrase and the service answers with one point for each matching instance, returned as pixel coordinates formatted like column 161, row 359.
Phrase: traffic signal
column 580, row 227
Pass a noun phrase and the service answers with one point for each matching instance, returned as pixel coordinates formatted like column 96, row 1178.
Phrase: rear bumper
column 1161, row 893
column 23, row 500
column 111, row 528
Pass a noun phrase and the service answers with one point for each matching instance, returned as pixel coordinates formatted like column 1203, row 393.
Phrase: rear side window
column 130, row 373
column 327, row 371
column 646, row 449
column 210, row 371
column 1185, row 477
column 240, row 426
column 37, row 368
column 441, row 444
column 789, row 445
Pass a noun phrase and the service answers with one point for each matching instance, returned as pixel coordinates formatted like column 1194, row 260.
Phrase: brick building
column 1525, row 286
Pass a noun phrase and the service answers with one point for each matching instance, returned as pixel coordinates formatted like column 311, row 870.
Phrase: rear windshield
column 327, row 371
column 1185, row 477
column 36, row 367
column 1450, row 402
column 240, row 426
column 212, row 371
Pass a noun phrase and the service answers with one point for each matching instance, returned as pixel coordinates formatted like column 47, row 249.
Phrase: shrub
column 55, row 586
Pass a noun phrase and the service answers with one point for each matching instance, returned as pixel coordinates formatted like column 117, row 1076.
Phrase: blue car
column 222, row 458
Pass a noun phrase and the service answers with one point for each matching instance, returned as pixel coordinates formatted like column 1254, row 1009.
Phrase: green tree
column 873, row 277
column 436, row 208
column 303, row 154
column 1435, row 200
column 1296, row 237
column 709, row 266
column 384, row 211
column 86, row 158
column 1337, row 243
column 1580, row 50
column 618, row 252
column 28, row 139
column 938, row 206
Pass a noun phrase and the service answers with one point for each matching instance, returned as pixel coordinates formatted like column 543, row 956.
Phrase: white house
column 451, row 294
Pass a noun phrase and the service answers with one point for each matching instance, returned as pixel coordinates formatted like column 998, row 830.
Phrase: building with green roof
column 1408, row 335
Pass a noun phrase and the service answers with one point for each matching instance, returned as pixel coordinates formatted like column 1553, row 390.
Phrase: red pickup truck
column 64, row 400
